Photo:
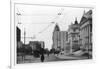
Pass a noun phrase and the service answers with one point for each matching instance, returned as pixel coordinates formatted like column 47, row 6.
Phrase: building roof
column 57, row 28
column 86, row 16
column 76, row 22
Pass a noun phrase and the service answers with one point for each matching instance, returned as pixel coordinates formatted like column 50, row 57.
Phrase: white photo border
column 13, row 63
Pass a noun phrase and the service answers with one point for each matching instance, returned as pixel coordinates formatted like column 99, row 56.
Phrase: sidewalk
column 69, row 57
column 28, row 59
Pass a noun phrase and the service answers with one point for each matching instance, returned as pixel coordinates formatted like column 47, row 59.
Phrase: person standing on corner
column 42, row 58
column 42, row 55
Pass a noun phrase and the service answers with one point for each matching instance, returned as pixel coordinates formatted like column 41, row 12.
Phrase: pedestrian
column 42, row 58
column 48, row 54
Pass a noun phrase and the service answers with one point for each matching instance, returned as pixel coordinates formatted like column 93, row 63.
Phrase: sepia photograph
column 50, row 33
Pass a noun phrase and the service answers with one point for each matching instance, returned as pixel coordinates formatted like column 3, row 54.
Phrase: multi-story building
column 73, row 36
column 18, row 37
column 86, row 31
column 18, row 34
column 35, row 45
column 63, row 39
column 56, row 37
column 42, row 44
column 59, row 38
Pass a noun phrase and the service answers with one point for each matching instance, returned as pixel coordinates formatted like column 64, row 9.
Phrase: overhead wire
column 54, row 21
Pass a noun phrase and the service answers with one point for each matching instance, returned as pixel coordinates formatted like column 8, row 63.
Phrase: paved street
column 31, row 59
column 51, row 57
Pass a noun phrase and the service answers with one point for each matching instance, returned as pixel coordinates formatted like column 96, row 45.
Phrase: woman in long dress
column 42, row 58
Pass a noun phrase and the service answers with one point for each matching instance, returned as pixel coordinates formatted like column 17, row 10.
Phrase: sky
column 37, row 21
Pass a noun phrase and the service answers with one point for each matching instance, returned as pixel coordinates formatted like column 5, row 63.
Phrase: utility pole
column 24, row 36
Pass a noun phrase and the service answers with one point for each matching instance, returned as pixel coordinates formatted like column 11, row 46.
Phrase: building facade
column 56, row 37
column 86, row 31
column 73, row 36
column 35, row 45
column 60, row 39
column 18, row 34
column 18, row 37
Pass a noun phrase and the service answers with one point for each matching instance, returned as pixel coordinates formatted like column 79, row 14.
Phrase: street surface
column 51, row 57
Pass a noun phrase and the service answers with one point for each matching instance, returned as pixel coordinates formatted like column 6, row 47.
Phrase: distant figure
column 42, row 58
column 48, row 54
